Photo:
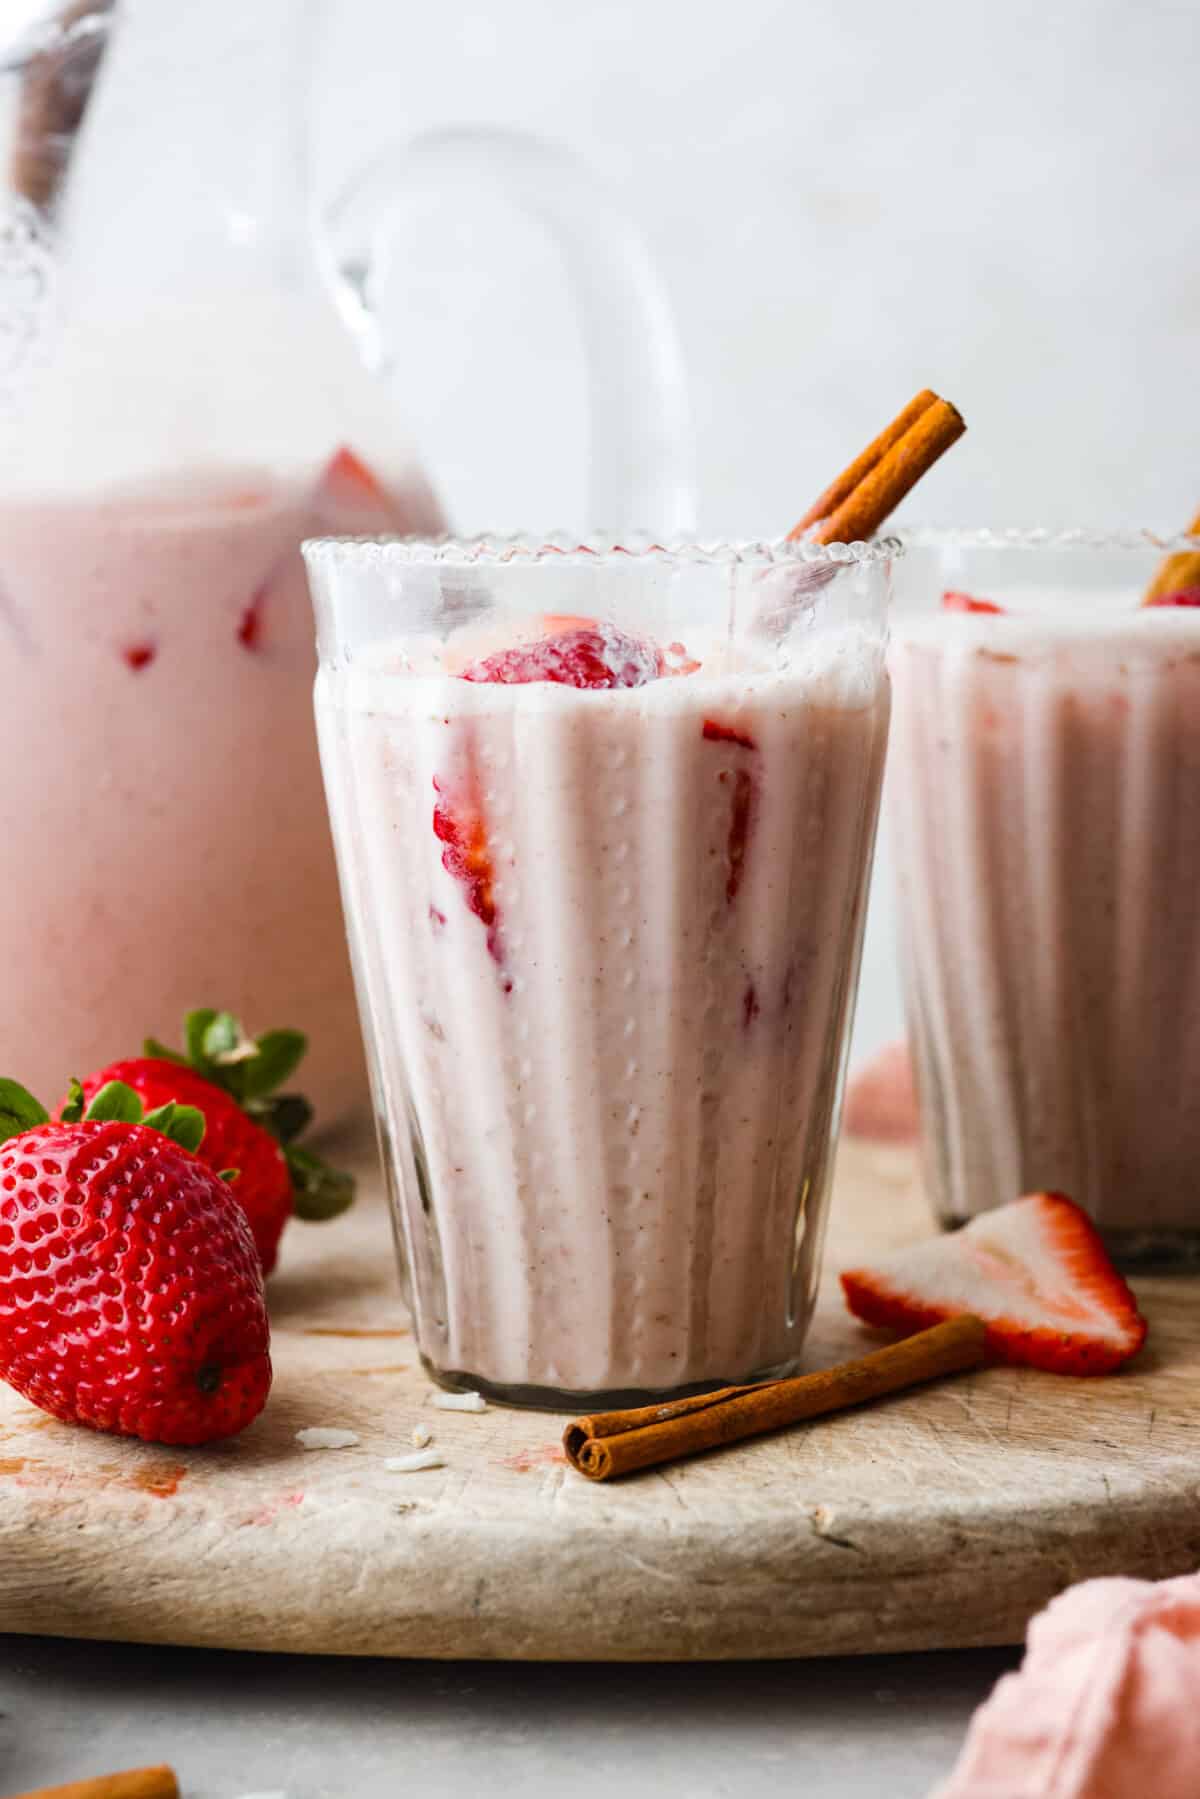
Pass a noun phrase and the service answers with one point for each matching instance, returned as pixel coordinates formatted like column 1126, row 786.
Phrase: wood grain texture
column 940, row 1518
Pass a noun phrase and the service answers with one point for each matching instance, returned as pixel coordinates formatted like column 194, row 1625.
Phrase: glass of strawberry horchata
column 1044, row 804
column 603, row 817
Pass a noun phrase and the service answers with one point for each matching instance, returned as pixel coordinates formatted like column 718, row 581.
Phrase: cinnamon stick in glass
column 854, row 506
column 609, row 1444
column 56, row 87
column 1176, row 573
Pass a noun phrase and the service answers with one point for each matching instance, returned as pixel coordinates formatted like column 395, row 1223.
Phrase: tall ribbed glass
column 1045, row 811
column 606, row 937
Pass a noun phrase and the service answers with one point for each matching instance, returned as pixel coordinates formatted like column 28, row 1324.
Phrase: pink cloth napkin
column 1106, row 1704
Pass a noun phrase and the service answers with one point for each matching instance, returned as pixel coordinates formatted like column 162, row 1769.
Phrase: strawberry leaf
column 221, row 1037
column 115, row 1100
column 279, row 1054
column 72, row 1111
column 195, row 1026
column 152, row 1047
column 19, row 1111
column 184, row 1125
column 318, row 1191
column 285, row 1115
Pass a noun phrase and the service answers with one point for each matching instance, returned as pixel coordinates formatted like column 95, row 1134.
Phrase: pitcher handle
column 640, row 438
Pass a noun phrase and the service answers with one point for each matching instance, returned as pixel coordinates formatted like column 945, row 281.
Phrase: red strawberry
column 1184, row 596
column 881, row 1098
column 963, row 602
column 251, row 1128
column 131, row 1298
column 588, row 655
column 1034, row 1270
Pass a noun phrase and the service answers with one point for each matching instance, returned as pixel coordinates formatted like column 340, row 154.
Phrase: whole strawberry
column 131, row 1297
column 252, row 1128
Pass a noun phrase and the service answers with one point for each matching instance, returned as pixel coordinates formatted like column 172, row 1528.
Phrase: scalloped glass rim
column 557, row 548
column 1042, row 537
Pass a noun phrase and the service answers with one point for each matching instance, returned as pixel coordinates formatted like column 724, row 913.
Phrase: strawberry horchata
column 169, row 837
column 1045, row 813
column 606, row 887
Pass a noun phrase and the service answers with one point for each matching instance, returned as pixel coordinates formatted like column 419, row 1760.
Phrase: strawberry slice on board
column 1036, row 1272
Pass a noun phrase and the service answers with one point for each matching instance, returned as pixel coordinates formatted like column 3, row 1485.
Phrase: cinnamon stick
column 1176, row 572
column 854, row 506
column 134, row 1783
column 609, row 1444
column 56, row 86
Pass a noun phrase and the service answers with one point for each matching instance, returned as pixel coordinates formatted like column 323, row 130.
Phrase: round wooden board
column 937, row 1519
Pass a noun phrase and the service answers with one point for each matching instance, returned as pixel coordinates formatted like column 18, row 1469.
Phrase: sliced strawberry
column 347, row 478
column 1184, row 596
column 677, row 661
column 1034, row 1270
column 742, row 790
column 741, row 811
column 593, row 656
column 349, row 496
column 964, row 602
column 459, row 823
column 719, row 733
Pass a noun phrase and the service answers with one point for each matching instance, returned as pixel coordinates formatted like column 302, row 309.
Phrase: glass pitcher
column 193, row 378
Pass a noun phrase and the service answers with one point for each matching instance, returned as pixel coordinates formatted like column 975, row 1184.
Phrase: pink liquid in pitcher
column 165, row 834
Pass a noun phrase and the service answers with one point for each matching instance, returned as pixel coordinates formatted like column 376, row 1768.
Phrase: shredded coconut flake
column 459, row 1402
column 319, row 1437
column 422, row 1435
column 412, row 1464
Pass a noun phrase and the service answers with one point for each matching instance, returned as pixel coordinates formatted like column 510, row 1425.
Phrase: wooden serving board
column 937, row 1519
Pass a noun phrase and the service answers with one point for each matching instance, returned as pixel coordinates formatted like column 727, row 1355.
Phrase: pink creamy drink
column 171, row 848
column 1046, row 789
column 606, row 943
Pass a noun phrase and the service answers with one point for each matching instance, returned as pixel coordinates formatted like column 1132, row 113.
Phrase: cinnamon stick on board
column 1176, row 572
column 134, row 1783
column 854, row 506
column 610, row 1444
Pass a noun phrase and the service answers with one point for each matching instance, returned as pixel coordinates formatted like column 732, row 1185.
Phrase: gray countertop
column 318, row 1728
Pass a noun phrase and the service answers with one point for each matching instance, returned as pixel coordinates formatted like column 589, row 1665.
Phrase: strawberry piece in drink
column 965, row 602
column 587, row 655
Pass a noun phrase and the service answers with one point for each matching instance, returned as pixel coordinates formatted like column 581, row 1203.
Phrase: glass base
column 613, row 1399
column 1145, row 1251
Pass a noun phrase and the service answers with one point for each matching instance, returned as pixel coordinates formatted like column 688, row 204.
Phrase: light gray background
column 846, row 203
